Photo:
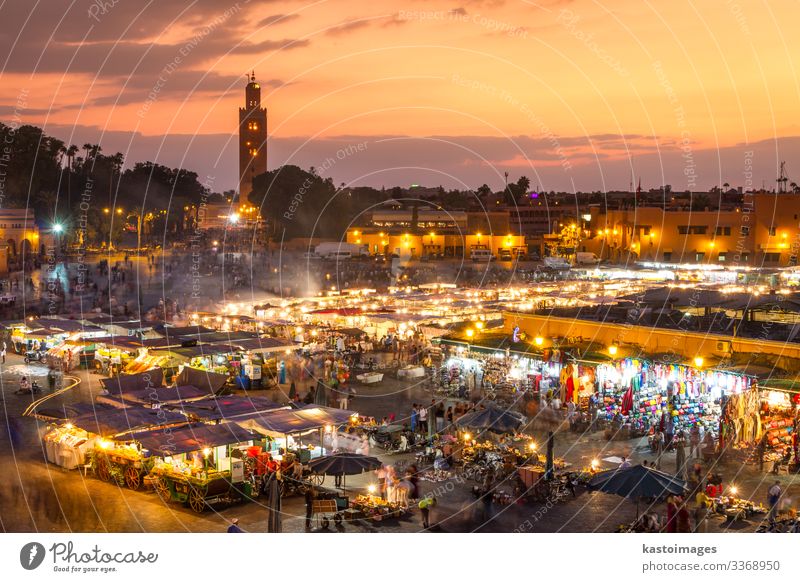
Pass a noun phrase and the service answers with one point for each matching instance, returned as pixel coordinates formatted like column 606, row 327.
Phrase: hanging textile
column 627, row 401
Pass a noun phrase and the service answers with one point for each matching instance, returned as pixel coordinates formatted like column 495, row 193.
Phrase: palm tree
column 115, row 167
column 70, row 153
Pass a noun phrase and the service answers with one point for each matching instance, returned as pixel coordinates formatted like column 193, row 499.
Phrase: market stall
column 201, row 464
column 640, row 393
column 257, row 361
column 307, row 432
column 497, row 373
column 760, row 424
column 114, row 354
column 69, row 443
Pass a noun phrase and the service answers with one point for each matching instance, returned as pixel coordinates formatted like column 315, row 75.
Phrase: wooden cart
column 198, row 492
column 125, row 466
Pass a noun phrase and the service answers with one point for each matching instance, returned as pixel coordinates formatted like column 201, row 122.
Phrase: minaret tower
column 252, row 139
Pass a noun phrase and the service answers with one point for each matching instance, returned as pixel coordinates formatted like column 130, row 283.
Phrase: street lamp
column 58, row 228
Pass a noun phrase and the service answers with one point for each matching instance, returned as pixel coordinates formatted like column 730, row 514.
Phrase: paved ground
column 36, row 496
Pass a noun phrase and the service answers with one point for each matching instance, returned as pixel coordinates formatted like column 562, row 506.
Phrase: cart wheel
column 325, row 523
column 103, row 470
column 337, row 519
column 196, row 501
column 162, row 489
column 317, row 478
column 133, row 478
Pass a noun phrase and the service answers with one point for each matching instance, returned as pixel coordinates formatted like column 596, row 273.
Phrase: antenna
column 782, row 179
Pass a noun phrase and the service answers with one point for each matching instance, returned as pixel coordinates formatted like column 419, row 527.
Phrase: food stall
column 257, row 360
column 114, row 354
column 67, row 355
column 114, row 454
column 201, row 464
column 307, row 432
column 67, row 445
column 373, row 507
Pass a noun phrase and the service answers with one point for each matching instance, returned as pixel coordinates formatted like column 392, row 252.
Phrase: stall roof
column 185, row 330
column 262, row 344
column 131, row 325
column 124, row 342
column 226, row 336
column 228, row 407
column 282, row 422
column 131, row 382
column 194, row 437
column 164, row 395
column 210, row 381
column 64, row 325
column 791, row 385
column 75, row 410
column 124, row 420
column 350, row 331
column 197, row 351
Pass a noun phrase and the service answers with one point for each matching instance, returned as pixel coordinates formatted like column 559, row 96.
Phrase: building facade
column 252, row 139
column 763, row 231
column 427, row 232
column 21, row 238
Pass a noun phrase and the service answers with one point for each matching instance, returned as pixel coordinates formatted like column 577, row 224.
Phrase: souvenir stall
column 464, row 371
column 577, row 382
column 640, row 392
column 759, row 426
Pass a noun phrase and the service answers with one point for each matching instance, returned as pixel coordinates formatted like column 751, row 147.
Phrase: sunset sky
column 574, row 94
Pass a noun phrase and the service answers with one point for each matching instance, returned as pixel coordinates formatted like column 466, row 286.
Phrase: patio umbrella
column 274, row 522
column 492, row 418
column 636, row 482
column 344, row 464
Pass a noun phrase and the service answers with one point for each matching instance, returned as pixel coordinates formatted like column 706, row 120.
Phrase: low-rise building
column 762, row 231
column 425, row 231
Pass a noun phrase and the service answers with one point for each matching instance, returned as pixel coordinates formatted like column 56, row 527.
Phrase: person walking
column 414, row 417
column 311, row 494
column 701, row 512
column 425, row 506
column 234, row 526
column 672, row 514
column 3, row 352
column 423, row 419
column 773, row 497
